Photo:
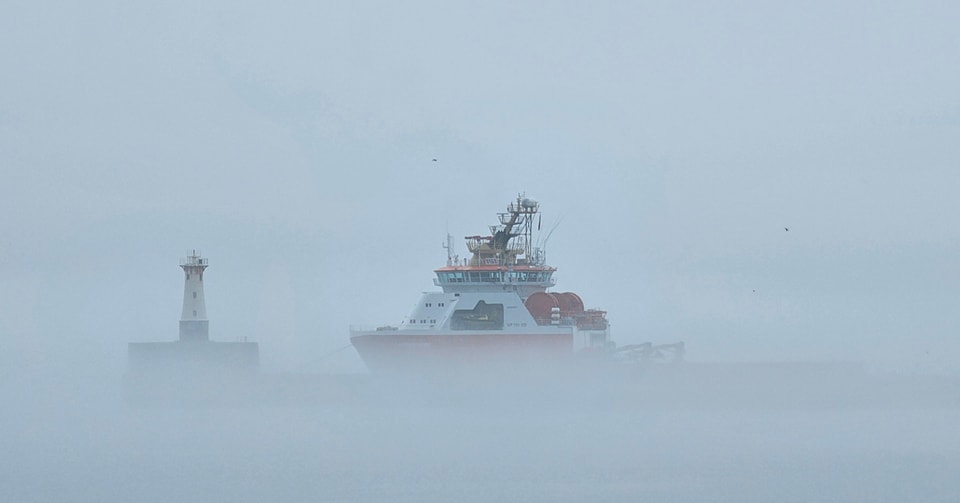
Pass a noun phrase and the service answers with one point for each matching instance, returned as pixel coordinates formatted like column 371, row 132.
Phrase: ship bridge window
column 451, row 277
column 531, row 276
column 490, row 276
column 482, row 317
column 483, row 276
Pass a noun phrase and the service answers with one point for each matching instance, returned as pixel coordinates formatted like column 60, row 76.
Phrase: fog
column 766, row 183
column 397, row 443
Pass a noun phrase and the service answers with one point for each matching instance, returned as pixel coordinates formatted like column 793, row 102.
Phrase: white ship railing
column 372, row 328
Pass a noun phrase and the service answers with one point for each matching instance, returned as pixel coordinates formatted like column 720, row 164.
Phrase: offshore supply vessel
column 493, row 307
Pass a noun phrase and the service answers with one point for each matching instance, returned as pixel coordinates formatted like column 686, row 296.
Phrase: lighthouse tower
column 194, row 325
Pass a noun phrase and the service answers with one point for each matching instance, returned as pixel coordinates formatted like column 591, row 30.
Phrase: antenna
column 452, row 257
column 543, row 246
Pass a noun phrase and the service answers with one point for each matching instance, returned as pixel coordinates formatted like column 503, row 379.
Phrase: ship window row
column 494, row 276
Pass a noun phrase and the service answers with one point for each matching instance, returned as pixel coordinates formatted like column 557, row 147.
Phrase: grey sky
column 292, row 145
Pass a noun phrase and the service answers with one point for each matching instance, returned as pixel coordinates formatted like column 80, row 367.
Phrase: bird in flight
column 434, row 160
column 785, row 228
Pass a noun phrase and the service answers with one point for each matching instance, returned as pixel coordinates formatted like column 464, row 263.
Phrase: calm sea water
column 58, row 446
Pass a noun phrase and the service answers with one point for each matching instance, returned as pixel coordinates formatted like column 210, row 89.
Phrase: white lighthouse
column 194, row 325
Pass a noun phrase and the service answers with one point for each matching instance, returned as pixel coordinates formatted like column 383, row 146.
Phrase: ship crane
column 499, row 247
column 519, row 214
column 503, row 236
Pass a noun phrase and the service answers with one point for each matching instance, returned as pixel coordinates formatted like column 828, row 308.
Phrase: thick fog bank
column 402, row 444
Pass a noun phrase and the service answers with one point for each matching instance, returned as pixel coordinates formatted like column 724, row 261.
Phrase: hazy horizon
column 671, row 143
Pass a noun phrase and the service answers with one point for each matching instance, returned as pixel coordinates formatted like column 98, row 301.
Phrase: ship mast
column 513, row 237
column 517, row 222
column 452, row 257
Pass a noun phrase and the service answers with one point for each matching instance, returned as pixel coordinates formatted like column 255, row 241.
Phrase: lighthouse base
column 193, row 357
